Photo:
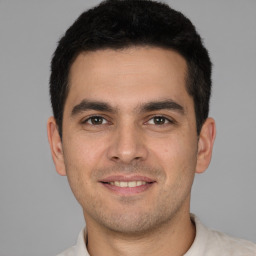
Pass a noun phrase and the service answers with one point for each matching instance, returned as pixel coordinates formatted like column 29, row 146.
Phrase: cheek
column 81, row 158
column 83, row 152
column 177, row 155
column 180, row 163
column 174, row 149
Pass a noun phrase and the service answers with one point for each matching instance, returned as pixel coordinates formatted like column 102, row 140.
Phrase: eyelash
column 166, row 120
column 86, row 121
column 105, row 121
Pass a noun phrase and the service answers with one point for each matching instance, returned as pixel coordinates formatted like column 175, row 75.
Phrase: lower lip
column 126, row 190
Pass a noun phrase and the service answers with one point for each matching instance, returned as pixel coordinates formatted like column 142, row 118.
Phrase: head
column 121, row 24
column 130, row 88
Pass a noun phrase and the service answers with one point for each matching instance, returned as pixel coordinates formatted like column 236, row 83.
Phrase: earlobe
column 205, row 145
column 56, row 146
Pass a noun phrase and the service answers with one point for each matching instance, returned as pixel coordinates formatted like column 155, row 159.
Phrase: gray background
column 39, row 215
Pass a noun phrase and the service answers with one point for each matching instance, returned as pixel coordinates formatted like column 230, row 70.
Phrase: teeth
column 123, row 184
column 139, row 183
column 129, row 184
column 132, row 184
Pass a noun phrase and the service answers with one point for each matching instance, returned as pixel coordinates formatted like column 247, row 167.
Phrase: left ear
column 205, row 145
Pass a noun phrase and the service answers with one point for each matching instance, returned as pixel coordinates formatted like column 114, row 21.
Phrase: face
column 130, row 148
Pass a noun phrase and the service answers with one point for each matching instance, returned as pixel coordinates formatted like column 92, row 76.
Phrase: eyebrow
column 161, row 105
column 86, row 105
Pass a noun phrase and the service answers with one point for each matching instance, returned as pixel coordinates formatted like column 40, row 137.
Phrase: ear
column 205, row 145
column 56, row 146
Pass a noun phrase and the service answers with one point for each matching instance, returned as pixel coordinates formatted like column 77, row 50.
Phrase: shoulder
column 79, row 248
column 69, row 252
column 232, row 246
column 214, row 243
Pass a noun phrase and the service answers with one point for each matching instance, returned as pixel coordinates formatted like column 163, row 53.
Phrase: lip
column 127, row 191
column 127, row 178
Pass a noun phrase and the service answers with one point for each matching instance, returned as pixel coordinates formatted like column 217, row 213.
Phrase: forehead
column 128, row 75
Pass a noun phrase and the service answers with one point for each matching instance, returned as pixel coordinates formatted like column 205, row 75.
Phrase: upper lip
column 127, row 178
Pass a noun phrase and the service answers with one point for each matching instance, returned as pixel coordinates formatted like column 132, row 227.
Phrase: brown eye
column 96, row 120
column 158, row 120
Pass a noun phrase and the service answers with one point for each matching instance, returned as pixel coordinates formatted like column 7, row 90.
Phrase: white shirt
column 207, row 243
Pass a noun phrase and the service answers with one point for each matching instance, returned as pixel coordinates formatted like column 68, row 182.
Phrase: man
column 130, row 89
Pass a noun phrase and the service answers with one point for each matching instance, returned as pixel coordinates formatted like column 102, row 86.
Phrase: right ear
column 56, row 146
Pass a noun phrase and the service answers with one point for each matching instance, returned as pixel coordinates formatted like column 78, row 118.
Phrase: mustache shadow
column 129, row 169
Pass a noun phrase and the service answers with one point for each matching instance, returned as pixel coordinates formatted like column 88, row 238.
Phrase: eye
column 159, row 120
column 95, row 120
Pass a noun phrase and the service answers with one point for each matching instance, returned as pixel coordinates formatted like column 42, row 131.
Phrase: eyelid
column 85, row 120
column 170, row 120
column 106, row 120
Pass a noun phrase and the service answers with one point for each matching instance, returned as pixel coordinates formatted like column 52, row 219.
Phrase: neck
column 172, row 238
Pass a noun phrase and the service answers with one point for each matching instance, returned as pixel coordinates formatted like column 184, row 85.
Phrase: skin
column 129, row 139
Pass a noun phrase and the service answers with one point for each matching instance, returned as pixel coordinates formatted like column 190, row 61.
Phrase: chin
column 136, row 223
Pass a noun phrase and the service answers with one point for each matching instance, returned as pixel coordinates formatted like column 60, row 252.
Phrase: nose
column 127, row 145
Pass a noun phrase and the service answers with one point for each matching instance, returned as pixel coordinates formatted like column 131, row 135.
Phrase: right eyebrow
column 85, row 105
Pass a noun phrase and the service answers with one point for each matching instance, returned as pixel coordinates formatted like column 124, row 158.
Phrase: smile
column 129, row 184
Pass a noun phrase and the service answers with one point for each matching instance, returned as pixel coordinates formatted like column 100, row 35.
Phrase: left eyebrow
column 161, row 105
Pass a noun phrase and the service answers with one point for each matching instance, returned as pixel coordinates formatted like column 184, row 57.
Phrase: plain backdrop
column 38, row 214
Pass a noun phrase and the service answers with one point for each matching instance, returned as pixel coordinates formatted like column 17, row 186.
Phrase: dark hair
column 118, row 24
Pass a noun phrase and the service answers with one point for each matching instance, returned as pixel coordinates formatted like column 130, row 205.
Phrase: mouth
column 127, row 185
